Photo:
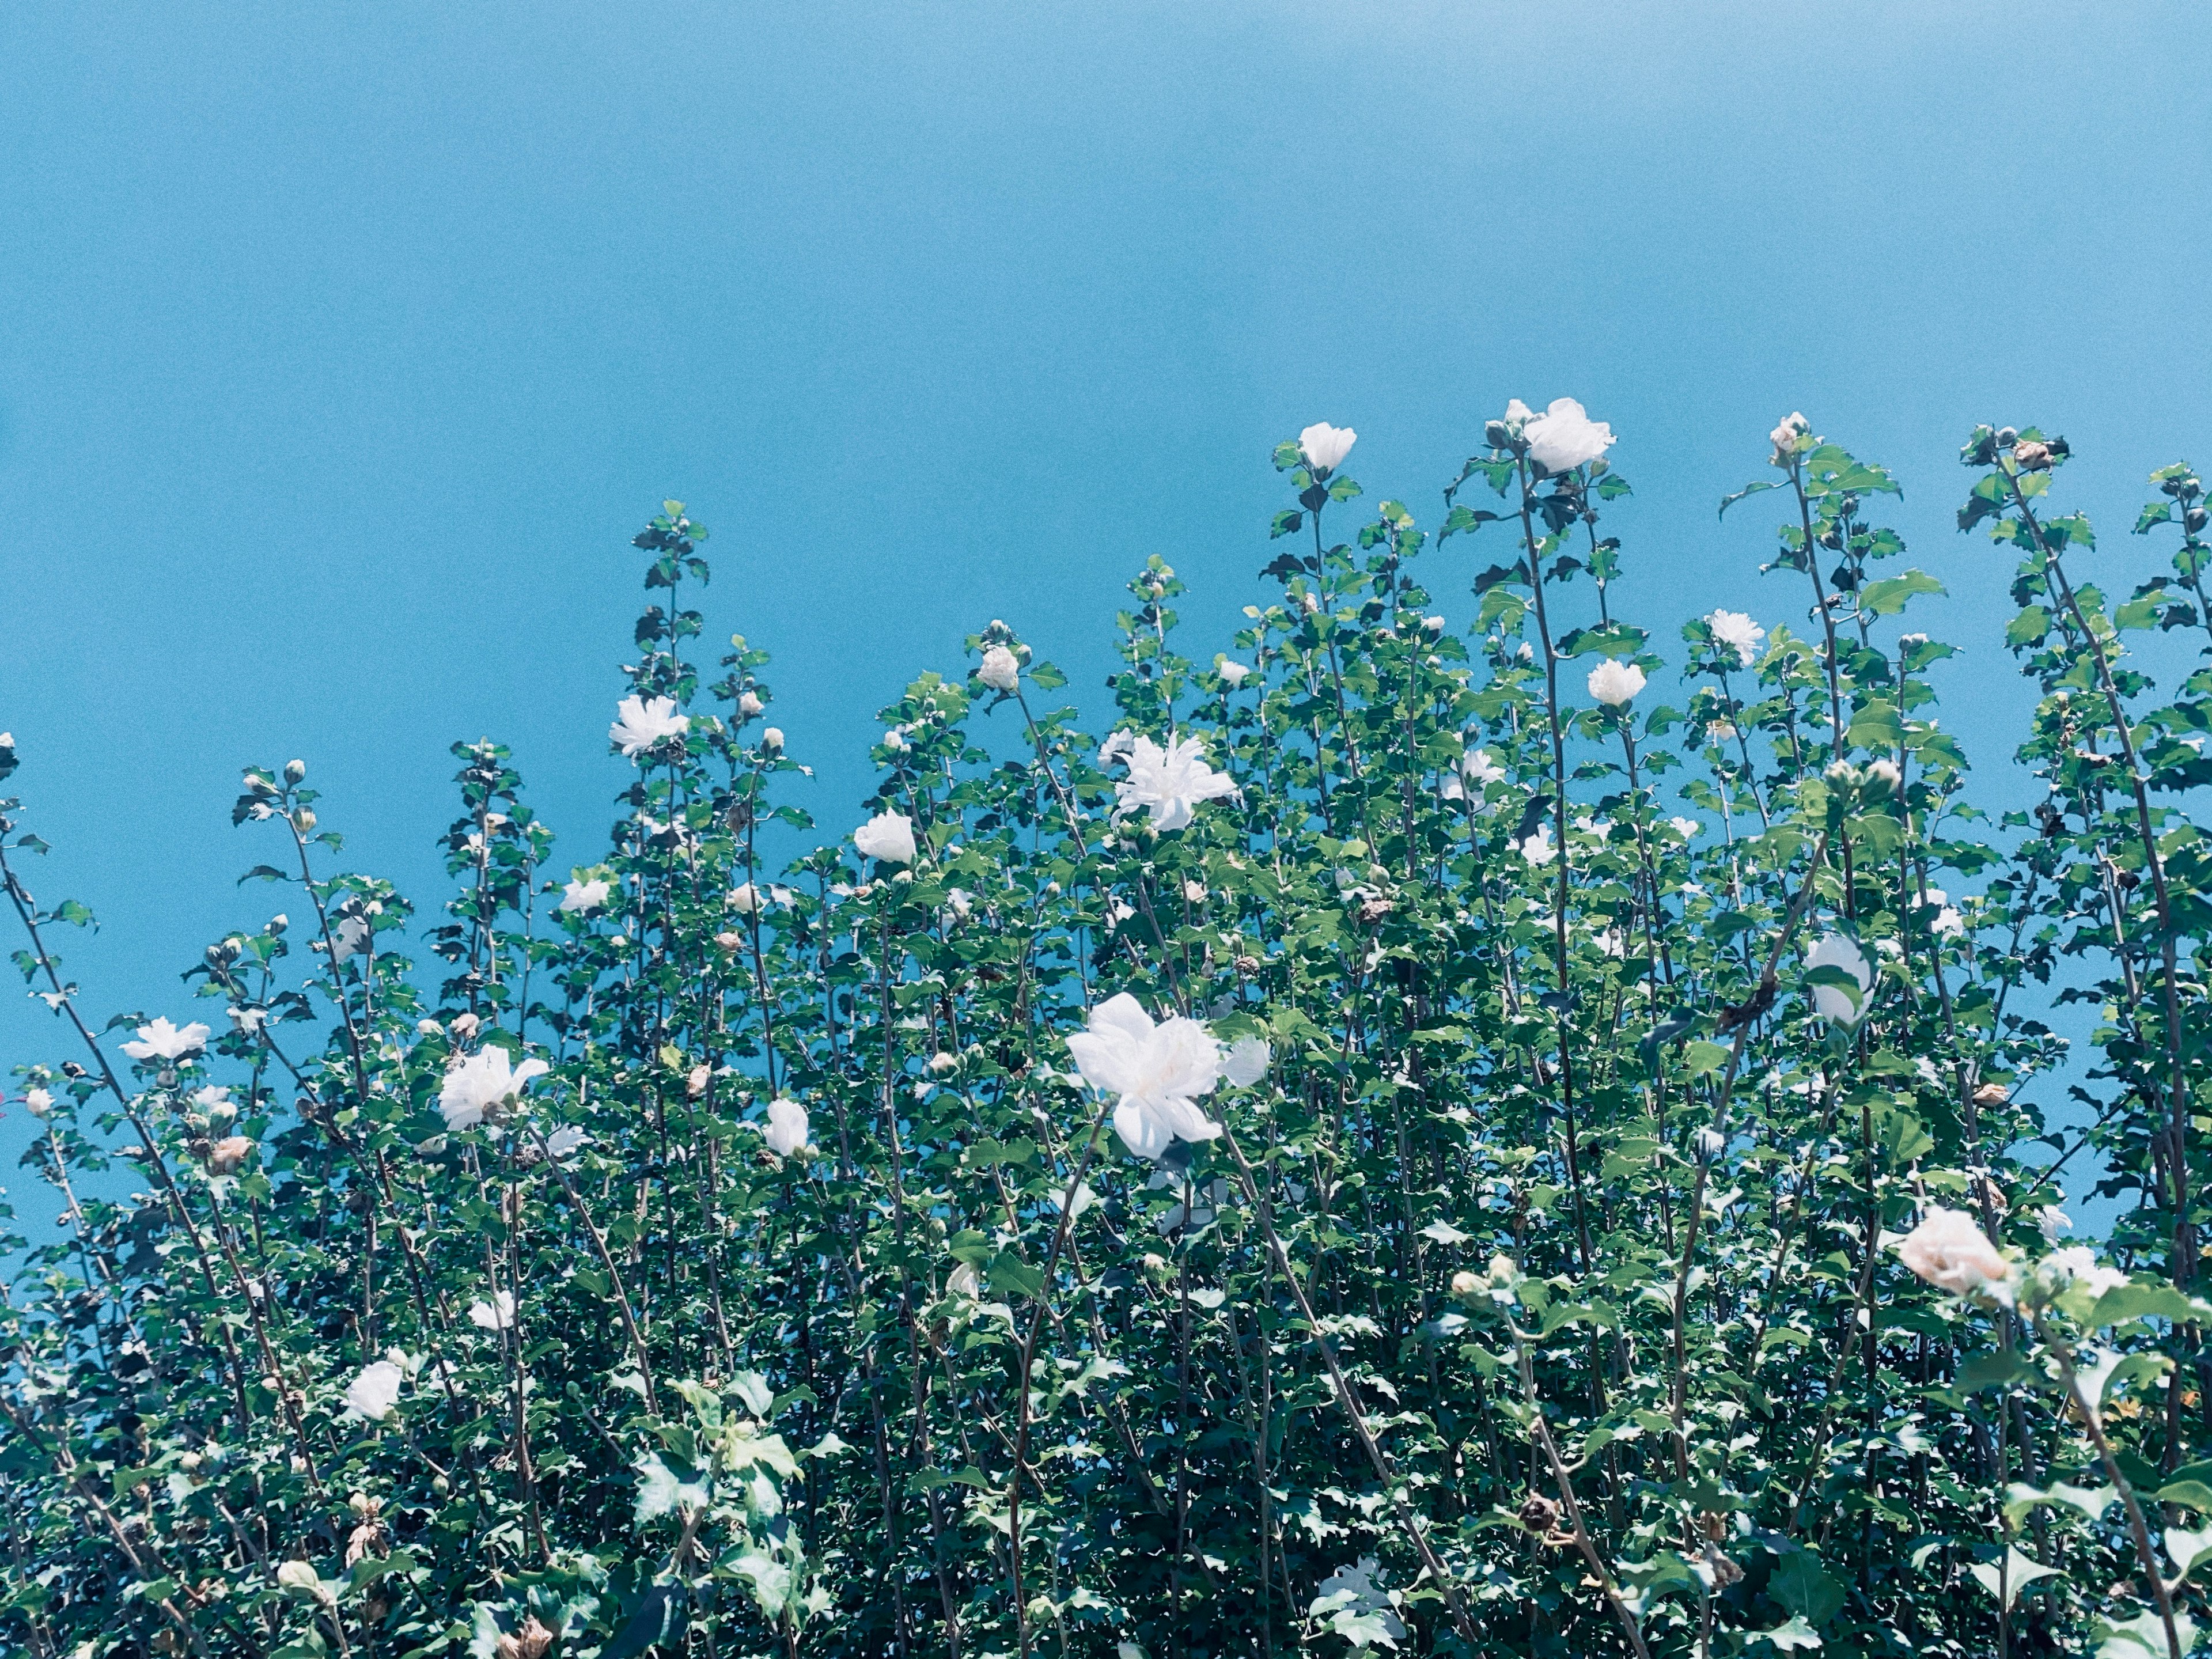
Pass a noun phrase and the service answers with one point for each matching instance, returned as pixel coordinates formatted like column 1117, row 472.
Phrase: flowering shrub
column 1409, row 1140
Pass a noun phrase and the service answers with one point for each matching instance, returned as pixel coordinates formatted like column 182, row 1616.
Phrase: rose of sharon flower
column 1538, row 849
column 1614, row 682
column 1001, row 670
column 1735, row 630
column 1244, row 1062
column 159, row 1040
column 888, row 836
column 786, row 1126
column 1564, row 437
column 1832, row 1001
column 1325, row 447
column 496, row 1315
column 1167, row 782
column 376, row 1392
column 1479, row 769
column 1159, row 1071
column 2077, row 1266
column 480, row 1084
column 1950, row 1252
column 746, row 899
column 581, row 897
column 644, row 722
column 1785, row 436
column 1232, row 672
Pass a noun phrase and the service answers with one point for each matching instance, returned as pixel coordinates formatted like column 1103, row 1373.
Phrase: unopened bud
column 295, row 770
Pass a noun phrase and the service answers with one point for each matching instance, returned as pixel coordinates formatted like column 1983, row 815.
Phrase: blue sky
column 346, row 346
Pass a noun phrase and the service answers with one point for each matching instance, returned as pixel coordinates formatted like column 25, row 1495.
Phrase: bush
column 1347, row 1162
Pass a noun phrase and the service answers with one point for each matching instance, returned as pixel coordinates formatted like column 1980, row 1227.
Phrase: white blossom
column 2050, row 1221
column 750, row 704
column 2077, row 1264
column 376, row 1392
column 888, row 836
column 1686, row 828
column 1785, row 437
column 496, row 1315
column 1738, row 632
column 1949, row 1251
column 564, row 1141
column 1167, row 782
column 1159, row 1070
column 1001, row 670
column 1711, row 1143
column 786, row 1126
column 645, row 721
column 746, row 899
column 1564, row 436
column 584, row 895
column 1479, row 769
column 1538, row 849
column 1232, row 672
column 39, row 1103
column 159, row 1040
column 477, row 1087
column 772, row 738
column 1613, row 683
column 1832, row 1001
column 1245, row 1061
column 1325, row 447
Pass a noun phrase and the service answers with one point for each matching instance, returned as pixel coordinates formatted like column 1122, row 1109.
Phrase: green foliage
column 1595, row 1192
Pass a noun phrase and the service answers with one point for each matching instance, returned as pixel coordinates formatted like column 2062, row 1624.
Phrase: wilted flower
column 1738, row 632
column 465, row 1026
column 583, row 896
column 376, row 1392
column 1613, row 683
column 1564, row 436
column 496, row 1315
column 644, row 722
column 1001, row 670
column 746, row 899
column 1785, row 436
column 1832, row 1001
column 159, row 1040
column 1538, row 849
column 1233, row 673
column 888, row 836
column 1950, row 1252
column 1194, row 892
column 299, row 1579
column 786, row 1126
column 226, row 1154
column 1159, row 1071
column 1325, row 447
column 480, row 1084
column 1168, row 782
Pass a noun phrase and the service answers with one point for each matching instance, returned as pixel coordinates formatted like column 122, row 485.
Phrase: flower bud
column 295, row 770
column 278, row 923
column 1466, row 1283
column 772, row 739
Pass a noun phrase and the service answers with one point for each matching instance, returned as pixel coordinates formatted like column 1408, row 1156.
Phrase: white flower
column 1001, row 670
column 1832, row 1001
column 1233, row 673
column 348, row 938
column 963, row 1281
column 1711, row 1143
column 1563, row 437
column 496, row 1315
column 786, row 1126
column 895, row 740
column 2077, row 1264
column 1538, row 849
column 214, row 1100
column 1738, row 632
column 772, row 738
column 750, row 704
column 248, row 1022
column 644, row 722
column 1479, row 769
column 1613, row 942
column 37, row 1101
column 1159, row 1070
column 1686, row 828
column 2050, row 1221
column 1168, row 782
column 564, row 1141
column 1325, row 447
column 581, row 897
column 1948, row 923
column 746, row 899
column 1884, row 772
column 159, row 1040
column 1613, row 683
column 1785, row 436
column 888, row 836
column 480, row 1084
column 960, row 901
column 1245, row 1061
column 1517, row 410
column 1367, row 1598
column 376, row 1392
column 1950, row 1252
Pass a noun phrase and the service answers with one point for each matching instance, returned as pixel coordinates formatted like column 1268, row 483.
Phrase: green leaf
column 2005, row 1580
column 1803, row 1586
column 1891, row 594
column 661, row 1489
column 1794, row 1634
column 2125, row 1303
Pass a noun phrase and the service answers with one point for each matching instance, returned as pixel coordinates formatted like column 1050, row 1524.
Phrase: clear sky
column 345, row 345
